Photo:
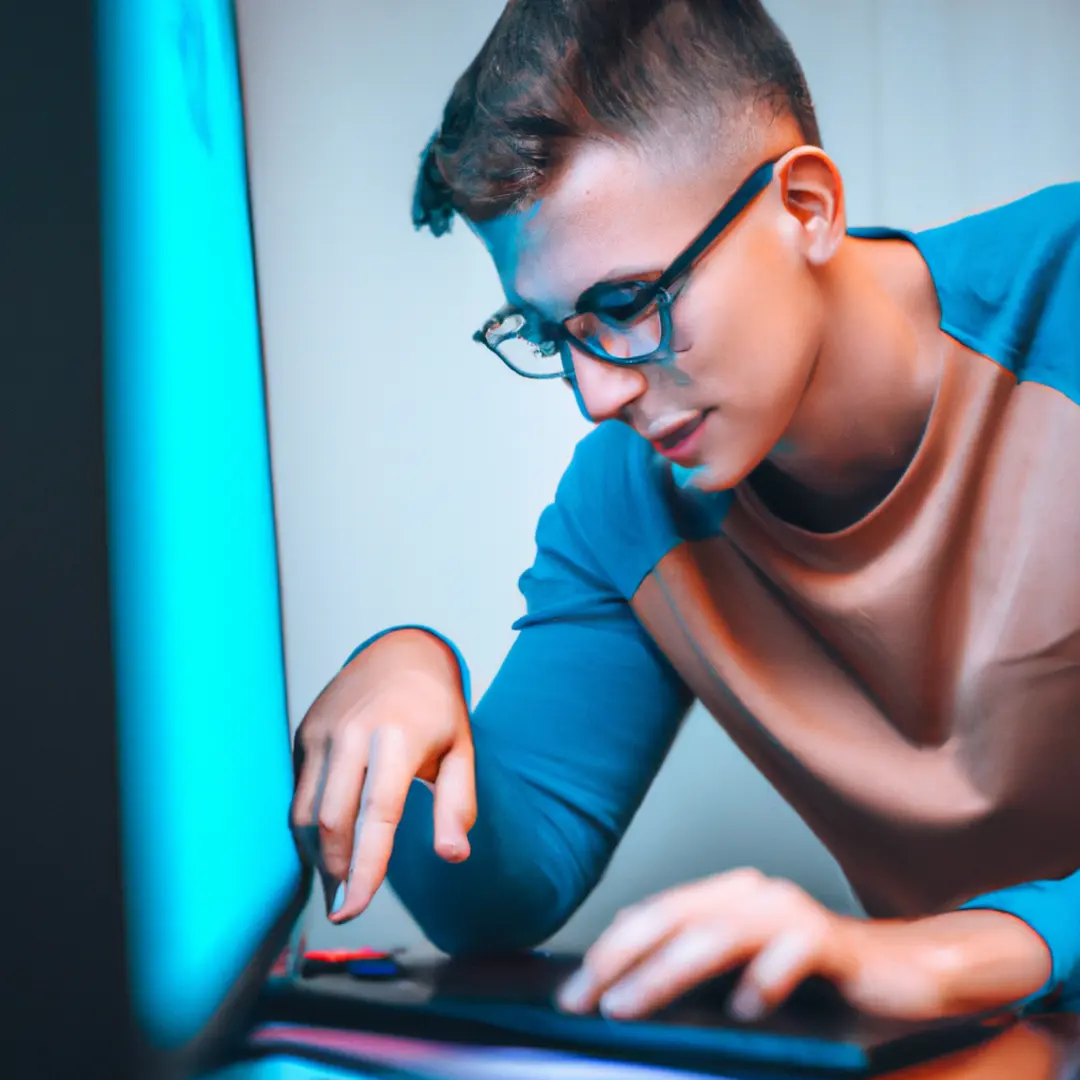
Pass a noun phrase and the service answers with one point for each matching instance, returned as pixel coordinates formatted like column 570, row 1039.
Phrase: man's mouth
column 675, row 437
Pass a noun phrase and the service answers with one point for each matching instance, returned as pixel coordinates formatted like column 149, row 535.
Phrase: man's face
column 746, row 327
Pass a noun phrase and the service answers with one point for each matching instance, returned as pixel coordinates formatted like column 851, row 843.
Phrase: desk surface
column 1041, row 1048
column 337, row 1019
column 506, row 1003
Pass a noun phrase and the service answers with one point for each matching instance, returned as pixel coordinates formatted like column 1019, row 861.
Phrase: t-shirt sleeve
column 1052, row 910
column 1008, row 281
column 573, row 728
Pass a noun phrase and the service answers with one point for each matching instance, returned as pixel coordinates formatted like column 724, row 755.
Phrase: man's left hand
column 943, row 965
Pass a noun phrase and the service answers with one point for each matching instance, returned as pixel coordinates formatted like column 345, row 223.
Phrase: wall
column 410, row 467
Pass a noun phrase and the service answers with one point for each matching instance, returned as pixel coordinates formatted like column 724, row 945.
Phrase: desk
column 450, row 1019
column 1044, row 1048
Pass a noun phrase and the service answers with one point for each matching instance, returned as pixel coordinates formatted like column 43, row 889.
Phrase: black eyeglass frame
column 555, row 337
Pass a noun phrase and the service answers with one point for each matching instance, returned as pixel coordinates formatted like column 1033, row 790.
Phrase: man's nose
column 606, row 389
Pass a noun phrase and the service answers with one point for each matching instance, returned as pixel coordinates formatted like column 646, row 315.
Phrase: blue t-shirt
column 585, row 707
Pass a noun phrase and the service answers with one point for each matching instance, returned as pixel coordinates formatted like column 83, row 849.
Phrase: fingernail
column 746, row 1003
column 574, row 993
column 339, row 899
column 619, row 1001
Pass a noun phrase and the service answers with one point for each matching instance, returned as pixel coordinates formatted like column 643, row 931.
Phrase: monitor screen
column 205, row 767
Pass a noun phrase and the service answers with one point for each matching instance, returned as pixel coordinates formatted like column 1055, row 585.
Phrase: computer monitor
column 148, row 740
column 212, row 878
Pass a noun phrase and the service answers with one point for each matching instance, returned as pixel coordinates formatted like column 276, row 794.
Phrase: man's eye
column 620, row 303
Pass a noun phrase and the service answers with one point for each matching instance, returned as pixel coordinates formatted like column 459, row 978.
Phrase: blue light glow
column 205, row 765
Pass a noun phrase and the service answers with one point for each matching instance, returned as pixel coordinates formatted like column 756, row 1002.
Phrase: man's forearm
column 509, row 894
column 1049, row 911
column 986, row 959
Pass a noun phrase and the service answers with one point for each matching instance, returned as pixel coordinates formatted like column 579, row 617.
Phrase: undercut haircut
column 555, row 73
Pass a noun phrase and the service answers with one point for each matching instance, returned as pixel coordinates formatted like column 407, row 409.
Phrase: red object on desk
column 343, row 956
column 336, row 961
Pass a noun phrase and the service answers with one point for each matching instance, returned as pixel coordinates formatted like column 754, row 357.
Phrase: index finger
column 390, row 773
column 310, row 767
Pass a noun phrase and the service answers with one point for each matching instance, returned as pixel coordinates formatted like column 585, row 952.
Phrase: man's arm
column 571, row 732
column 567, row 741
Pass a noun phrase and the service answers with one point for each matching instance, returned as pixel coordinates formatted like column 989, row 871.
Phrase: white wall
column 410, row 467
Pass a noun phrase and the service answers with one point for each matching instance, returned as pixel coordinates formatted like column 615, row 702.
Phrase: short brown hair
column 553, row 72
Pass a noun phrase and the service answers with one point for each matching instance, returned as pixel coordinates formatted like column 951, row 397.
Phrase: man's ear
column 812, row 191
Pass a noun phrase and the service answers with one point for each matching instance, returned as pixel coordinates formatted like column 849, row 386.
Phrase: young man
column 830, row 493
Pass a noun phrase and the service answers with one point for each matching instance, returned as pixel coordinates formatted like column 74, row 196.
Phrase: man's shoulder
column 1008, row 280
column 999, row 238
column 622, row 503
column 614, row 499
column 611, row 450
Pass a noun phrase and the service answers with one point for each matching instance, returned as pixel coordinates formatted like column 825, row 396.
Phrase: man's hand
column 945, row 965
column 395, row 713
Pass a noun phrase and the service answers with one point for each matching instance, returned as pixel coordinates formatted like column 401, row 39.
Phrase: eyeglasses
column 626, row 322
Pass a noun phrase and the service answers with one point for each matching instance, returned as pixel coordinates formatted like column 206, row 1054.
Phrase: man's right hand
column 395, row 713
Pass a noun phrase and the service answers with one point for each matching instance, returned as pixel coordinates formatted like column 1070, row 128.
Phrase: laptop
column 152, row 585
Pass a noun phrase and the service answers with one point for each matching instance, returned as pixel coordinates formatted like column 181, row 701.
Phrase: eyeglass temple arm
column 753, row 186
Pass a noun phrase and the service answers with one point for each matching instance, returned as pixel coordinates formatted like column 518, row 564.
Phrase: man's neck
column 871, row 392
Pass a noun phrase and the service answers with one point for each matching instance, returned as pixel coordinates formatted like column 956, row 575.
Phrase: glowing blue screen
column 204, row 755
